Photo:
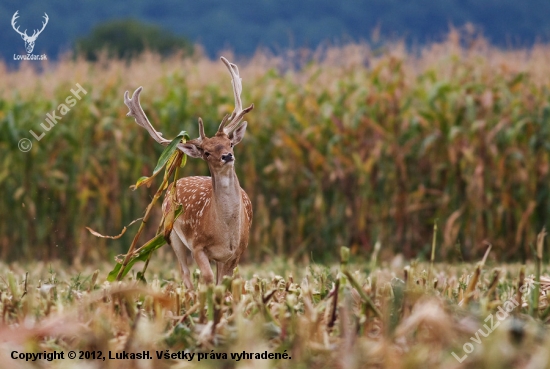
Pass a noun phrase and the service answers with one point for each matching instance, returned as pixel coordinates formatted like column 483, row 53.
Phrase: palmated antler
column 233, row 121
column 227, row 126
column 141, row 119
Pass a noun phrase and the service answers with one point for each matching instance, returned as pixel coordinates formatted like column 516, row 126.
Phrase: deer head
column 217, row 151
column 29, row 40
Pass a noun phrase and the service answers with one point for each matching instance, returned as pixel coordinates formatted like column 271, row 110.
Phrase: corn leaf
column 164, row 158
column 143, row 252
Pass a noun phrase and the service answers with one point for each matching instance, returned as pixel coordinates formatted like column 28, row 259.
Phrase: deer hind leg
column 181, row 253
column 204, row 265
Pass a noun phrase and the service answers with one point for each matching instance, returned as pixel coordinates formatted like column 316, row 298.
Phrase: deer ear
column 238, row 134
column 191, row 149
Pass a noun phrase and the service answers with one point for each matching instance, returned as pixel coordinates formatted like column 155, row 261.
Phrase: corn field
column 346, row 146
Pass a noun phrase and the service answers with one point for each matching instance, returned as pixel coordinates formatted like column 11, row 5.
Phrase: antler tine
column 236, row 121
column 137, row 112
column 201, row 130
column 13, row 19
column 229, row 125
column 224, row 122
column 46, row 18
column 36, row 32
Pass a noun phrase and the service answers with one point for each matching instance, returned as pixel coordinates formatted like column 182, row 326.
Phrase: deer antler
column 232, row 122
column 227, row 126
column 35, row 34
column 141, row 119
column 13, row 19
column 202, row 136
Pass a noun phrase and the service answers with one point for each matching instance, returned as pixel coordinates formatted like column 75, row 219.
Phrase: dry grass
column 314, row 314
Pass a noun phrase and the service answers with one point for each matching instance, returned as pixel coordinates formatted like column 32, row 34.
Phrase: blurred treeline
column 128, row 38
column 245, row 25
column 344, row 147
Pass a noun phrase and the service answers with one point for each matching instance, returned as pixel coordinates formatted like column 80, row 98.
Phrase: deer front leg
column 181, row 253
column 204, row 265
column 228, row 267
column 223, row 269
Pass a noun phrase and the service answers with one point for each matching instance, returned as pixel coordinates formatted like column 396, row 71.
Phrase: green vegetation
column 347, row 150
column 356, row 316
column 129, row 38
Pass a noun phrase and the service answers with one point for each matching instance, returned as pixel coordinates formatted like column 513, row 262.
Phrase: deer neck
column 226, row 195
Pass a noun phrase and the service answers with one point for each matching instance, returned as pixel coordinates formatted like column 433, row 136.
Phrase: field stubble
column 349, row 316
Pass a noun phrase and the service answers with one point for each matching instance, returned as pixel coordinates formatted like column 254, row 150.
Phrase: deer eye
column 231, row 144
column 206, row 154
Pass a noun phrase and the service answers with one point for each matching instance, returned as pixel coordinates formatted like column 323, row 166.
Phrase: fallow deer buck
column 217, row 212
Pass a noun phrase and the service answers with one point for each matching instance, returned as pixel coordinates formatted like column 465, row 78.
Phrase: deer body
column 215, row 223
column 217, row 213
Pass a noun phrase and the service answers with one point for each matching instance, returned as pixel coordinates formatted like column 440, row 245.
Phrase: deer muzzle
column 227, row 158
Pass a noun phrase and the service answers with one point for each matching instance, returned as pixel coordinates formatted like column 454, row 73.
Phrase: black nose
column 227, row 157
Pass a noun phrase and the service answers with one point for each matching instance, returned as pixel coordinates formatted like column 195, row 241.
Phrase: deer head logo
column 29, row 40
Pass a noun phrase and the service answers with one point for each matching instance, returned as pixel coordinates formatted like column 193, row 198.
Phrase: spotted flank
column 195, row 193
